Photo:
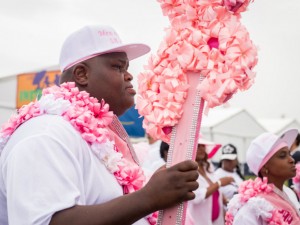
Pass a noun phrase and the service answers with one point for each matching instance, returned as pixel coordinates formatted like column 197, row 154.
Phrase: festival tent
column 237, row 126
column 231, row 125
column 278, row 125
column 7, row 98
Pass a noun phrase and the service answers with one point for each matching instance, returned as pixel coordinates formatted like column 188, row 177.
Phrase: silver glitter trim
column 179, row 214
column 197, row 113
column 160, row 217
column 171, row 149
column 118, row 128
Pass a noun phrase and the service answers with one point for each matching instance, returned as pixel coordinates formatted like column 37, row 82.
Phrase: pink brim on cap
column 133, row 51
column 81, row 60
column 271, row 153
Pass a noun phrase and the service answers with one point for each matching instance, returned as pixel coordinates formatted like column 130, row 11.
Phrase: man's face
column 109, row 80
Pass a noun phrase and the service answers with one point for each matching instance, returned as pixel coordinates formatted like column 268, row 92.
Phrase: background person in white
column 149, row 155
column 229, row 166
column 207, row 207
column 51, row 175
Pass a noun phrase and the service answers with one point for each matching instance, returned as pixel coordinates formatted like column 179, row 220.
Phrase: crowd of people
column 66, row 159
column 225, row 196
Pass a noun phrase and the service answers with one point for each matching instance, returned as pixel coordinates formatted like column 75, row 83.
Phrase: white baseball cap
column 91, row 41
column 263, row 147
column 229, row 152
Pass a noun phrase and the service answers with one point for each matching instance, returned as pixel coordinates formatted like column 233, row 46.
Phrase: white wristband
column 219, row 183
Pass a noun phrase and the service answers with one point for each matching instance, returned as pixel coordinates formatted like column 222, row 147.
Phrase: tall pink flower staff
column 206, row 42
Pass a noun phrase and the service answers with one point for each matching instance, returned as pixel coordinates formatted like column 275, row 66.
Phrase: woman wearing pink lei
column 266, row 200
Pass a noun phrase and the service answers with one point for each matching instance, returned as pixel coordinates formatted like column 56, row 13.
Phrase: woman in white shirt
column 229, row 166
column 207, row 207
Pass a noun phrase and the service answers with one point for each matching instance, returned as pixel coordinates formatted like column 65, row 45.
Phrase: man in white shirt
column 66, row 159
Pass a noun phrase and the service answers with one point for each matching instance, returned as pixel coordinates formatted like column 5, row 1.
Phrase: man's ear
column 80, row 74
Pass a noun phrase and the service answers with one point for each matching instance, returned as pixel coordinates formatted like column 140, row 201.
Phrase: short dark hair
column 164, row 147
column 297, row 141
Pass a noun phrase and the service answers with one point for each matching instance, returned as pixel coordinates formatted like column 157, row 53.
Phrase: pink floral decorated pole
column 206, row 55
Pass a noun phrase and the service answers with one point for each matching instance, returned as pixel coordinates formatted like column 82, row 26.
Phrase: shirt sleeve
column 36, row 173
column 246, row 216
column 201, row 191
column 292, row 196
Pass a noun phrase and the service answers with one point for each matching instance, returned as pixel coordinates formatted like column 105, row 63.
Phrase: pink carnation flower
column 130, row 176
column 236, row 6
column 152, row 219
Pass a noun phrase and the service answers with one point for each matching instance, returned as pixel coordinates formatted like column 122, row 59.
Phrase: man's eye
column 118, row 67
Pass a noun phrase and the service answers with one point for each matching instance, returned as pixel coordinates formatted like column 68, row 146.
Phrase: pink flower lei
column 207, row 37
column 248, row 190
column 91, row 118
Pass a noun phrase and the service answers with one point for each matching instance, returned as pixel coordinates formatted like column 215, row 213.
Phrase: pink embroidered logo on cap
column 111, row 35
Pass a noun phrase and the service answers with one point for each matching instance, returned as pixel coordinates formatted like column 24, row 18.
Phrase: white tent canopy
column 237, row 126
column 230, row 121
column 8, row 86
column 278, row 125
column 231, row 125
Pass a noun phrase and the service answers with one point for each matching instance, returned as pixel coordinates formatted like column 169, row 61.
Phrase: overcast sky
column 32, row 33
